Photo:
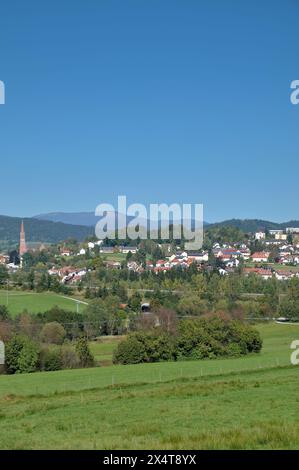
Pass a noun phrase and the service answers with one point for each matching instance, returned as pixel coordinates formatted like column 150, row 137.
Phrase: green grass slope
column 18, row 301
column 238, row 403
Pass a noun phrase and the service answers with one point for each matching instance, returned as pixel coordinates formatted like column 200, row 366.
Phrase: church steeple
column 23, row 247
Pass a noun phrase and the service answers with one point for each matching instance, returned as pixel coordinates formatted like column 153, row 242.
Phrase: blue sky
column 163, row 101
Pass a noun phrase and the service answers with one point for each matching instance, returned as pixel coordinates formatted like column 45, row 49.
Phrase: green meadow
column 114, row 257
column 102, row 350
column 18, row 301
column 250, row 402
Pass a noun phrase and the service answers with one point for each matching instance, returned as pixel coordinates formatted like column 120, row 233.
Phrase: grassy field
column 249, row 402
column 17, row 301
column 103, row 350
column 277, row 339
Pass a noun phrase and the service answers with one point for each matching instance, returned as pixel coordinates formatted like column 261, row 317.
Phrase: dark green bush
column 50, row 359
column 82, row 349
column 4, row 313
column 152, row 346
column 21, row 355
column 214, row 336
column 202, row 338
column 130, row 351
column 59, row 357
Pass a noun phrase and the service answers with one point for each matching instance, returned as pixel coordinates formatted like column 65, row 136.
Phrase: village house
column 281, row 236
column 183, row 263
column 260, row 257
column 273, row 242
column 226, row 254
column 275, row 232
column 286, row 251
column 4, row 259
column 217, row 252
column 161, row 269
column 264, row 273
column 286, row 259
column 67, row 274
column 222, row 272
column 160, row 263
column 149, row 264
column 283, row 275
column 65, row 252
column 198, row 257
column 176, row 262
column 134, row 266
column 107, row 250
column 260, row 235
column 54, row 271
column 181, row 254
column 13, row 267
column 113, row 264
column 128, row 249
column 232, row 263
column 245, row 253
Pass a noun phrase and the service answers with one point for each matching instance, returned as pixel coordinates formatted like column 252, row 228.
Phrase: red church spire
column 23, row 247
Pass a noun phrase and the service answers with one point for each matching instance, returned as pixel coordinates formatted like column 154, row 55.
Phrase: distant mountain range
column 58, row 226
column 254, row 225
column 87, row 219
column 246, row 225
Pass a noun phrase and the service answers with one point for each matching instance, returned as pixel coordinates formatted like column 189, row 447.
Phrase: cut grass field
column 249, row 402
column 18, row 301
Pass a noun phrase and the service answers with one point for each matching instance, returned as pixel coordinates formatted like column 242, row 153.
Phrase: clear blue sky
column 164, row 101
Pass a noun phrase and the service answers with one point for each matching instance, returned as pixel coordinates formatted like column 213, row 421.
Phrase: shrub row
column 203, row 338
column 22, row 354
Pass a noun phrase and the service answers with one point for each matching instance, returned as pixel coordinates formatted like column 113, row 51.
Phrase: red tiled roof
column 260, row 254
column 260, row 271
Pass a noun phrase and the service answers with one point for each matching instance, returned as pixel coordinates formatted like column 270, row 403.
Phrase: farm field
column 275, row 353
column 249, row 402
column 18, row 301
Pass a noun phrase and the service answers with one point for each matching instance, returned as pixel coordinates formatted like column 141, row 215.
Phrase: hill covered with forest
column 39, row 231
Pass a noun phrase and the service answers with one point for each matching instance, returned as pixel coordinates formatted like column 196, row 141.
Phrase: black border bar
column 149, row 458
